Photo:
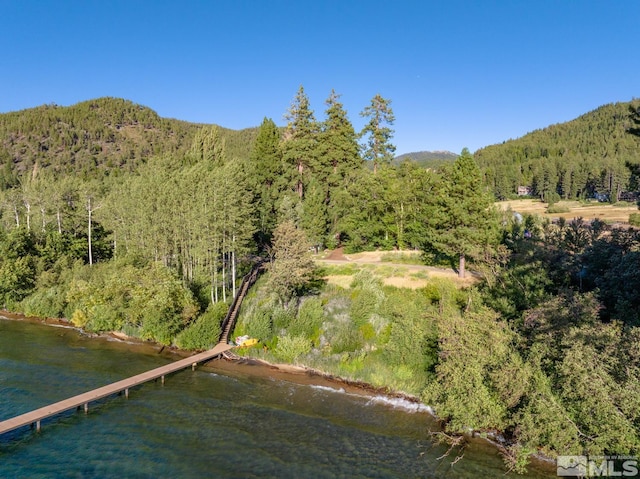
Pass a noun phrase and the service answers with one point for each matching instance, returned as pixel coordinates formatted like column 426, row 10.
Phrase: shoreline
column 295, row 374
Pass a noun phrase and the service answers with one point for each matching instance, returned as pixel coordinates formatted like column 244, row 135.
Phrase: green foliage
column 45, row 303
column 427, row 159
column 309, row 319
column 385, row 210
column 205, row 331
column 117, row 294
column 259, row 325
column 634, row 219
column 378, row 148
column 96, row 138
column 292, row 268
column 517, row 289
column 290, row 348
column 345, row 336
column 475, row 350
column 460, row 221
column 299, row 148
column 412, row 339
column 266, row 160
column 555, row 208
column 17, row 279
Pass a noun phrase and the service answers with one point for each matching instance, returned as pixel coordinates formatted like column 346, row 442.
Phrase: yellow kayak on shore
column 245, row 341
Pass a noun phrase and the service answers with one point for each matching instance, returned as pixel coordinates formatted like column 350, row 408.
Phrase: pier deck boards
column 35, row 416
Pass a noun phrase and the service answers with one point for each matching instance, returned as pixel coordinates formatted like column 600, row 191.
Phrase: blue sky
column 458, row 73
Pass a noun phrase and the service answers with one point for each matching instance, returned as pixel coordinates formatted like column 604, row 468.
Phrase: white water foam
column 401, row 403
column 328, row 389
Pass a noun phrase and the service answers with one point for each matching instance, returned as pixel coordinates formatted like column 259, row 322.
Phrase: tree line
column 202, row 211
column 595, row 153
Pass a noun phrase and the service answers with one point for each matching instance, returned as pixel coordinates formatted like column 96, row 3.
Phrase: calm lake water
column 212, row 422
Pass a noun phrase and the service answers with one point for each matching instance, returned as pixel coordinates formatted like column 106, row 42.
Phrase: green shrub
column 205, row 332
column 634, row 219
column 104, row 317
column 345, row 337
column 282, row 317
column 363, row 304
column 365, row 279
column 259, row 325
column 45, row 303
column 290, row 348
column 556, row 208
column 308, row 320
column 151, row 299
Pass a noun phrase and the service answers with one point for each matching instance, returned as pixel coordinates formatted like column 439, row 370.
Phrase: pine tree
column 338, row 146
column 338, row 155
column 300, row 141
column 378, row 148
column 267, row 167
column 314, row 214
column 460, row 221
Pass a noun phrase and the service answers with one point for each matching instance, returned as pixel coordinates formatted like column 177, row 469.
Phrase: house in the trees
column 524, row 191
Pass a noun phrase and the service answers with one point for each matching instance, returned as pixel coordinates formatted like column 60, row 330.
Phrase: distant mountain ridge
column 427, row 158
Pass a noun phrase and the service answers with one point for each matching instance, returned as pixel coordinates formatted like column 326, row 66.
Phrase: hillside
column 596, row 152
column 95, row 137
column 427, row 159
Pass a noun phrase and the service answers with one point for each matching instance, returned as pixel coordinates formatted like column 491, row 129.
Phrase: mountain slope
column 427, row 159
column 96, row 137
column 595, row 152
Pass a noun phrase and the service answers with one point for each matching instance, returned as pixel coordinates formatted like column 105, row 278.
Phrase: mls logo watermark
column 597, row 466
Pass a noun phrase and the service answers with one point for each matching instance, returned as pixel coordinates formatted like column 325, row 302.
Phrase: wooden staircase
column 230, row 319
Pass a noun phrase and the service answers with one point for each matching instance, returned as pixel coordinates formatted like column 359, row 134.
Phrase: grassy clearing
column 402, row 257
column 616, row 213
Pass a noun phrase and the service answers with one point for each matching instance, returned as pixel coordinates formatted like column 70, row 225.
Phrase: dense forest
column 574, row 160
column 106, row 136
column 119, row 220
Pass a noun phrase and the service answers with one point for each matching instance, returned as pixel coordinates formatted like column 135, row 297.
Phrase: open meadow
column 569, row 210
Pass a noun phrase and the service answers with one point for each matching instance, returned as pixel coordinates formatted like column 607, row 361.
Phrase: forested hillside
column 105, row 136
column 593, row 153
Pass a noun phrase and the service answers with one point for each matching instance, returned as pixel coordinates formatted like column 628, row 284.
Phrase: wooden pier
column 35, row 417
column 82, row 400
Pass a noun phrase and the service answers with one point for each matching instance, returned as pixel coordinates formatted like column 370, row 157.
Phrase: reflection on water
column 212, row 422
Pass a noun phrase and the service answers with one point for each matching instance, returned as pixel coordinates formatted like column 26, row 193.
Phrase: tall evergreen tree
column 338, row 146
column 266, row 162
column 300, row 141
column 378, row 147
column 314, row 214
column 460, row 221
column 338, row 155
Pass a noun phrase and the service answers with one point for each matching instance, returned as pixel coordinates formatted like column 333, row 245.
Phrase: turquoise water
column 203, row 423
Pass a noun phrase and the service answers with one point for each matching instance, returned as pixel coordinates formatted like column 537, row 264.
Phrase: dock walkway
column 82, row 400
column 34, row 417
